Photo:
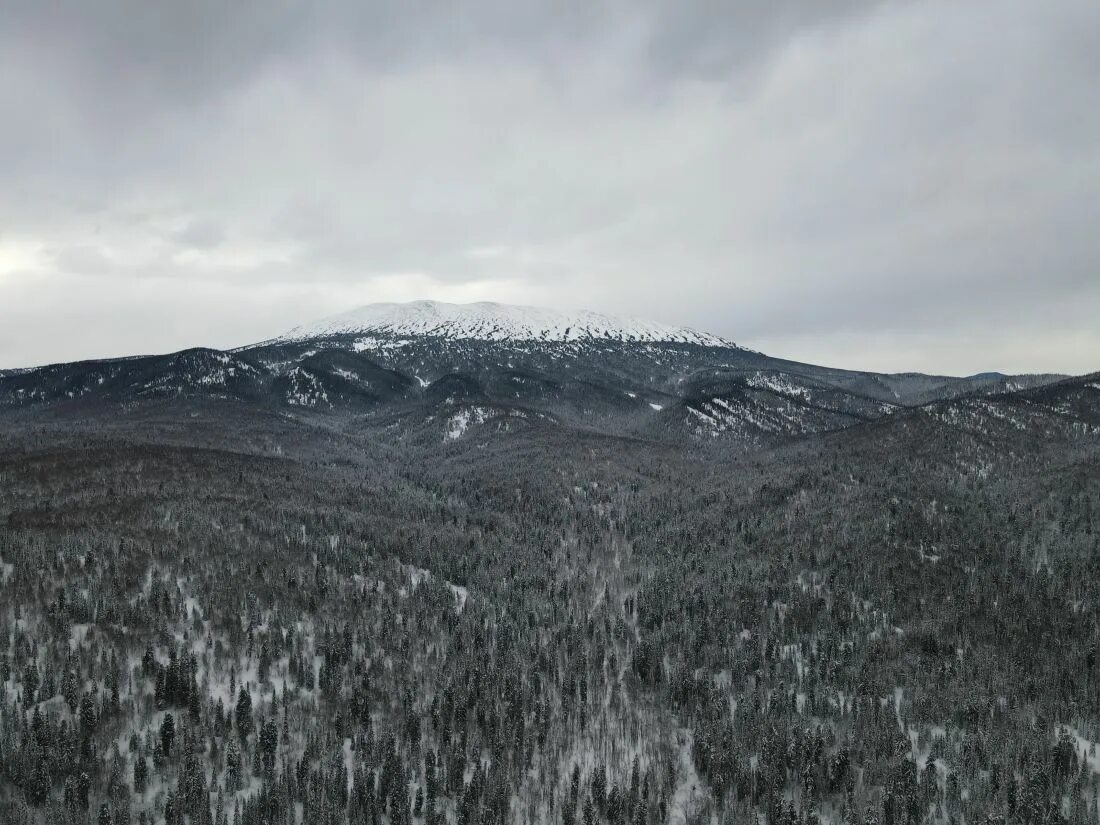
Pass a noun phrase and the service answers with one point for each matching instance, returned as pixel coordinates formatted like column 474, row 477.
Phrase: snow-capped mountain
column 463, row 367
column 489, row 321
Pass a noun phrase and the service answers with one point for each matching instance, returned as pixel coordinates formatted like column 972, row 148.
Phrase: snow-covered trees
column 545, row 629
column 242, row 715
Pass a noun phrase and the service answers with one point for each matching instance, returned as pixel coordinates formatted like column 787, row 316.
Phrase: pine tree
column 140, row 774
column 244, row 713
column 83, row 788
column 599, row 787
column 38, row 788
column 265, row 662
column 269, row 741
column 167, row 733
column 70, row 689
column 233, row 765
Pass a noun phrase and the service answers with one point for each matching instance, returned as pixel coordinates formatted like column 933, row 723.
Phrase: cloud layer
column 888, row 185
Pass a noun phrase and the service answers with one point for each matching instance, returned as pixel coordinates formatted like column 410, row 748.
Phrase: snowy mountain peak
column 488, row 321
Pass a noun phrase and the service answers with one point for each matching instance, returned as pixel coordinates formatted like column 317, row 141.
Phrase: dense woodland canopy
column 213, row 615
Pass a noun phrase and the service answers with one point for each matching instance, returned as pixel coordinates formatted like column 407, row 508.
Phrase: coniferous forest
column 212, row 614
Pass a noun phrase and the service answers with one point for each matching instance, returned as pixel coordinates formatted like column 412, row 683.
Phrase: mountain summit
column 490, row 321
column 428, row 364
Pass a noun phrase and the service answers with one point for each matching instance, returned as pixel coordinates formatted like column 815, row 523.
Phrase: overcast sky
column 885, row 185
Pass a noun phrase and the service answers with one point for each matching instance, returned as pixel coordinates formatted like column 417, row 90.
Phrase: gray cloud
column 200, row 234
column 897, row 185
column 201, row 48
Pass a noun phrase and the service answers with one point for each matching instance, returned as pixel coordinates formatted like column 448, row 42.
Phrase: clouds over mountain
column 909, row 184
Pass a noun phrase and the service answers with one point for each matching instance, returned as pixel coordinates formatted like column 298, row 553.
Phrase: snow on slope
column 487, row 321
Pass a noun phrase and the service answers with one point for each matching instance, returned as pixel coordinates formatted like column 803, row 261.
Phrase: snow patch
column 419, row 574
column 458, row 423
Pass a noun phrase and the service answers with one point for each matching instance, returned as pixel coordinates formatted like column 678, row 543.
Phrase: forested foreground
column 309, row 623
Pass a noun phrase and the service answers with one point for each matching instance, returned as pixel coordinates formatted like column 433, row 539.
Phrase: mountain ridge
column 466, row 365
column 493, row 321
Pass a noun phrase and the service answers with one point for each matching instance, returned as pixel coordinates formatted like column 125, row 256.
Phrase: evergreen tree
column 244, row 713
column 140, row 774
column 167, row 733
column 269, row 741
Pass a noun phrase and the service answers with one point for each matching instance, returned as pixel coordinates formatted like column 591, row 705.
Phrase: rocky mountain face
column 453, row 366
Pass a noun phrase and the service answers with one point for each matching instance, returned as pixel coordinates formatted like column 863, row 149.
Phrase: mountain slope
column 426, row 363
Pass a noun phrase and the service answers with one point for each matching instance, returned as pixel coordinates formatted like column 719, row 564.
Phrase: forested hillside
column 213, row 614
